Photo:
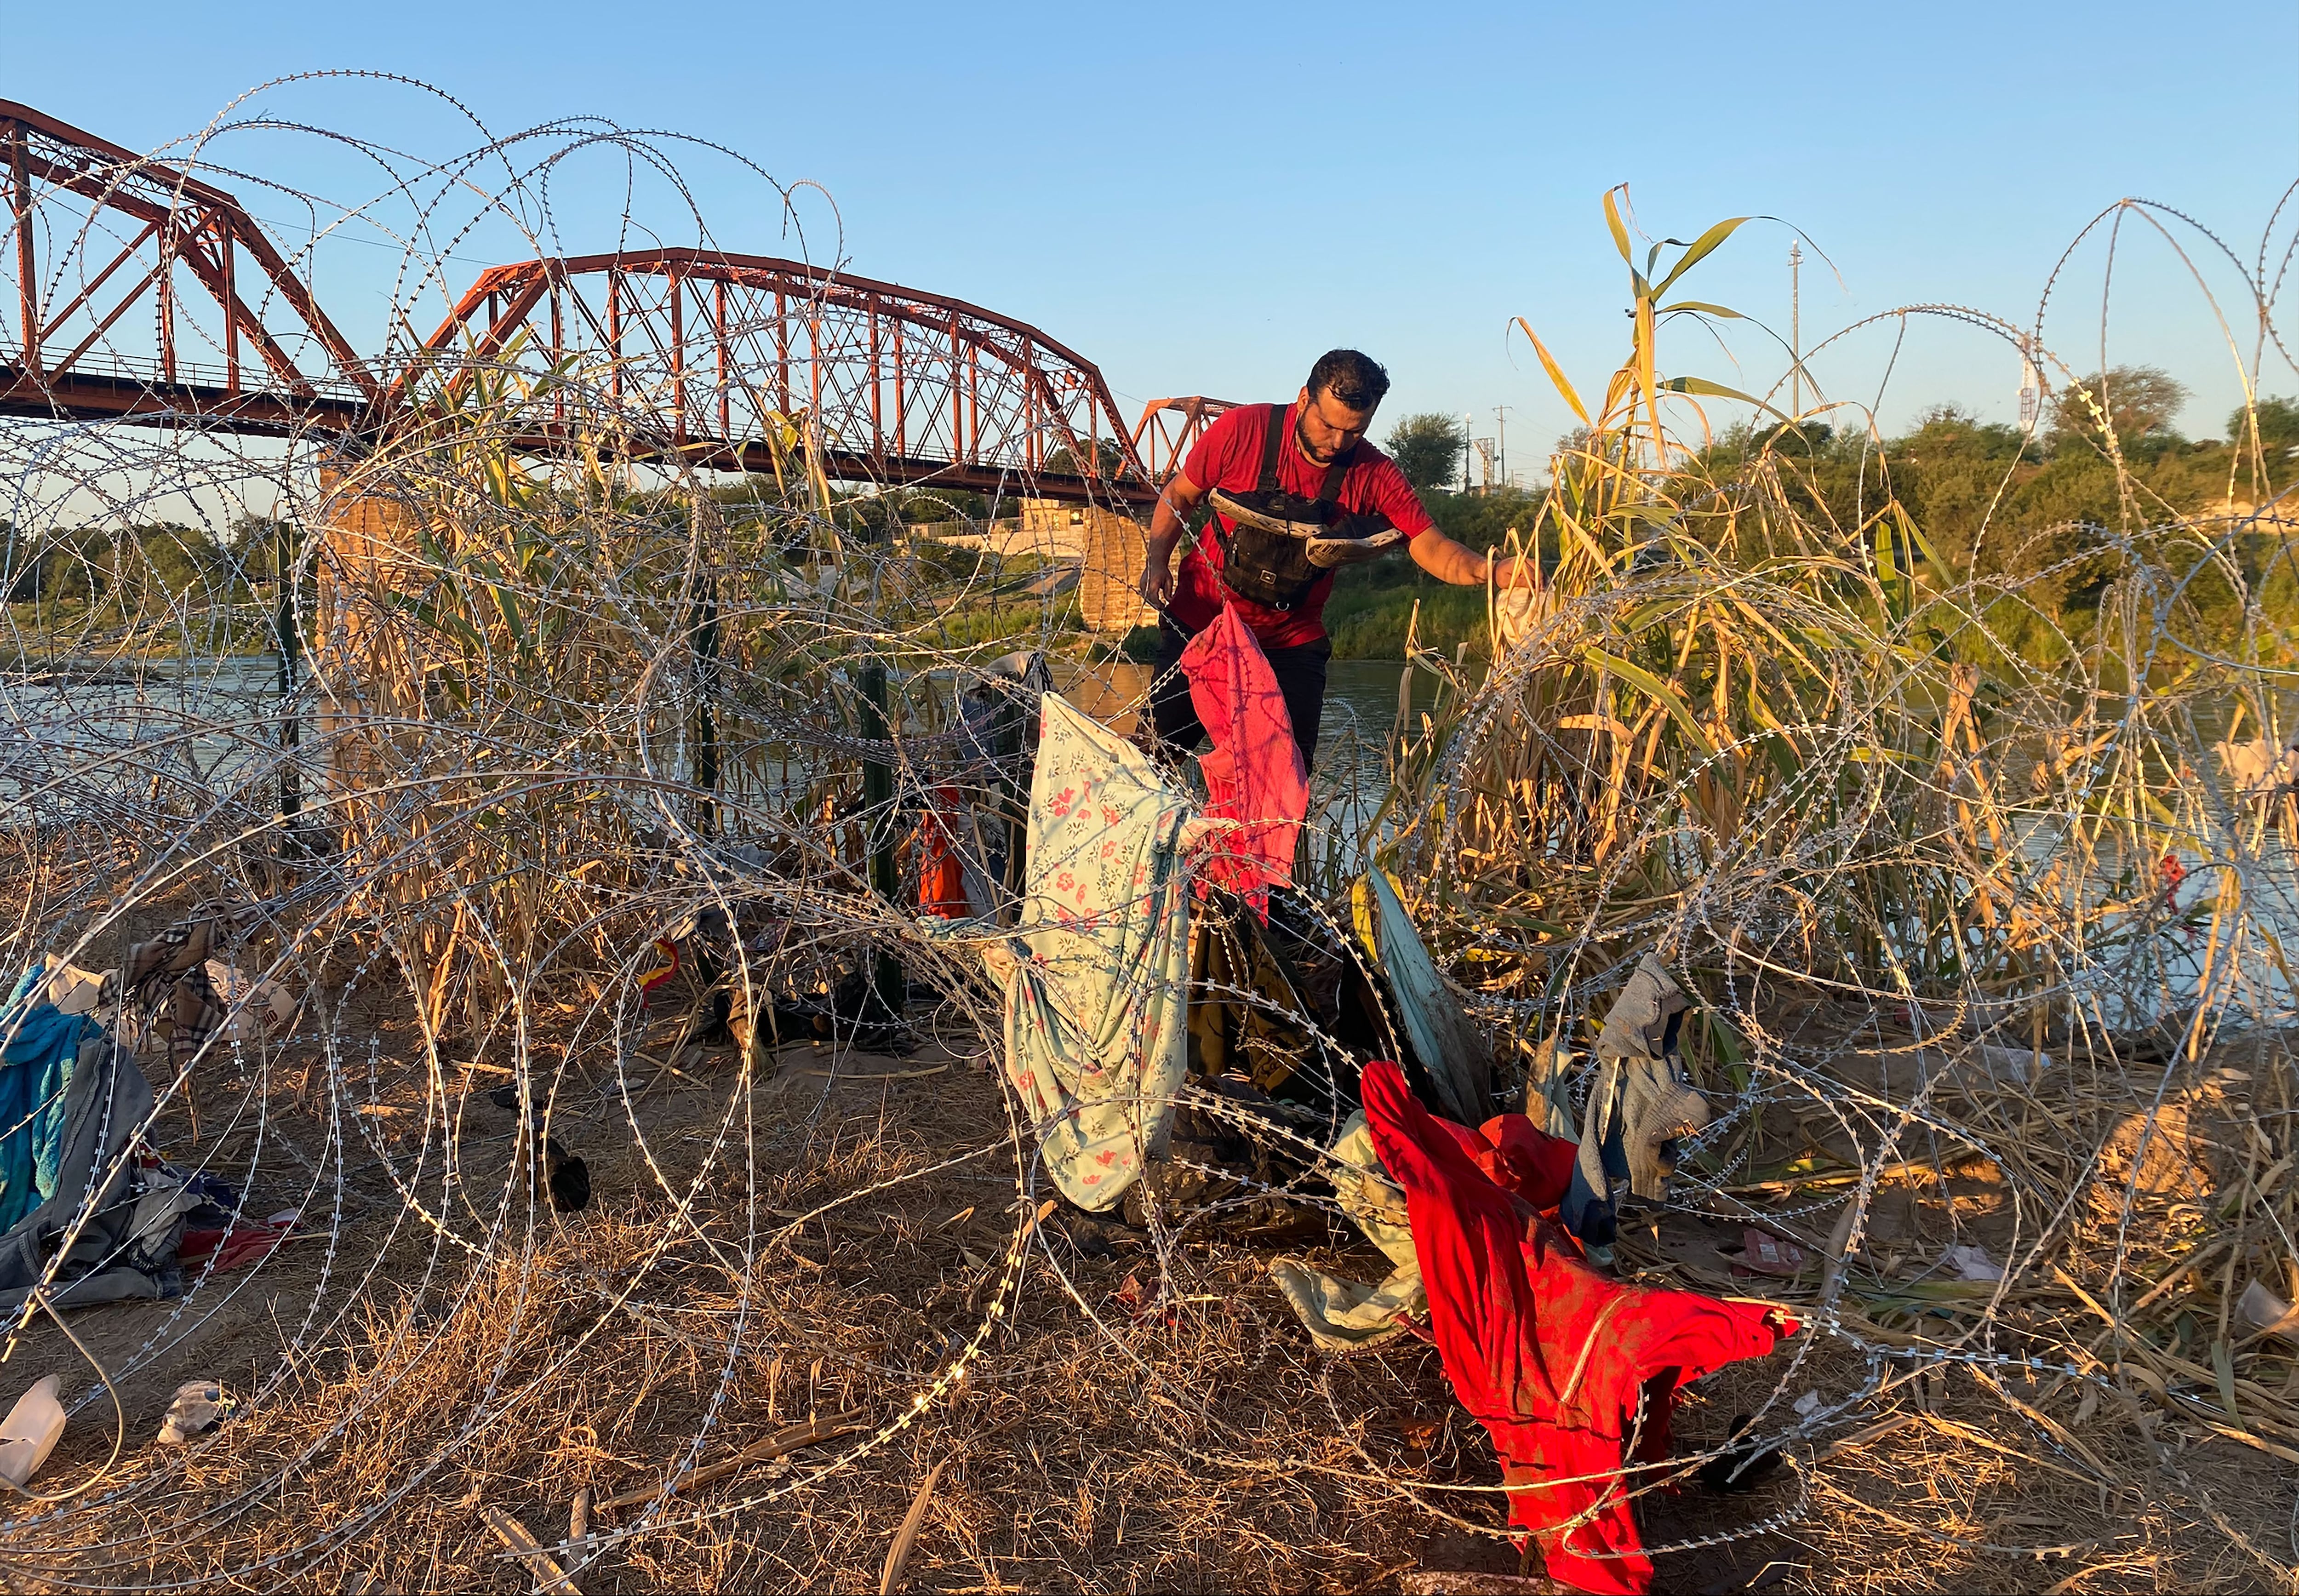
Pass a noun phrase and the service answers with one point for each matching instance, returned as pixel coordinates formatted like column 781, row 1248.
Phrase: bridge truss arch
column 706, row 356
column 141, row 291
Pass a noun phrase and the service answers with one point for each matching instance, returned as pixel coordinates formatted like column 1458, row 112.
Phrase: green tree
column 1427, row 448
column 2278, row 426
column 1108, row 452
column 20, row 565
column 253, row 543
column 1949, row 471
column 2139, row 402
column 177, row 560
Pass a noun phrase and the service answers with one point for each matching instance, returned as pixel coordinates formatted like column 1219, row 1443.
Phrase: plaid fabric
column 193, row 1015
column 167, row 979
column 183, row 947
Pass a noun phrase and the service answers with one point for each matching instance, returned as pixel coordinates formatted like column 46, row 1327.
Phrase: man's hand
column 1167, row 523
column 1158, row 578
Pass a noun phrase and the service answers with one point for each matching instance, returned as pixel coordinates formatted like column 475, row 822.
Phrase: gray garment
column 1349, row 1316
column 1641, row 1022
column 1640, row 1100
column 126, row 1246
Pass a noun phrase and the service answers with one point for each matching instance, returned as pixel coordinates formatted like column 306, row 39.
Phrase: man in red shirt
column 1314, row 448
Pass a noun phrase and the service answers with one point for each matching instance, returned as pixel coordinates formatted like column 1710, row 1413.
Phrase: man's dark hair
column 1355, row 379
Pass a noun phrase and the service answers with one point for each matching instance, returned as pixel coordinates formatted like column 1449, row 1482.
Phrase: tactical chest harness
column 1268, row 567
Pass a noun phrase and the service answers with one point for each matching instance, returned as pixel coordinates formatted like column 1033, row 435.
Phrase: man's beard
column 1309, row 449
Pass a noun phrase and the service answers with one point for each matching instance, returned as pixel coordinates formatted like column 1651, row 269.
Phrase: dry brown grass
column 1196, row 1446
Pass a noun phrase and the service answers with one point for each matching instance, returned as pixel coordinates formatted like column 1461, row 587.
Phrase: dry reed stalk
column 906, row 1538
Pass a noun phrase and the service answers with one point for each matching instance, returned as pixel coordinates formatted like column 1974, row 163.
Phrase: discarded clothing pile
column 88, row 1216
column 998, row 719
column 965, row 829
column 1448, row 1047
column 1246, row 1007
column 716, row 968
column 119, row 1234
column 42, row 1049
column 1279, row 1002
column 1573, row 1375
column 1101, row 1015
column 213, row 1236
column 1344, row 1316
column 232, row 1246
column 174, row 988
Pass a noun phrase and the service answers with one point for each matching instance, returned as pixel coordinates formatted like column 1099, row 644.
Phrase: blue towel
column 35, row 1066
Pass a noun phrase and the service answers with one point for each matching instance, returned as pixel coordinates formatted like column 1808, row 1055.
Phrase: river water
column 1361, row 696
column 113, row 729
column 96, row 746
column 92, row 735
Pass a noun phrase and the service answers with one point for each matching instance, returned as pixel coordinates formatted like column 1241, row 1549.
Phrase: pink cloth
column 1253, row 770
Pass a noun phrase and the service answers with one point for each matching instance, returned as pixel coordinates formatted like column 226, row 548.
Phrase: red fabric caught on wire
column 1253, row 771
column 1570, row 1373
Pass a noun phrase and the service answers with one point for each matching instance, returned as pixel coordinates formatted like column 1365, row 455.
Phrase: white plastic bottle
column 30, row 1432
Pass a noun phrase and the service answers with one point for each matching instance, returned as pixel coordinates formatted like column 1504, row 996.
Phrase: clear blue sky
column 1202, row 197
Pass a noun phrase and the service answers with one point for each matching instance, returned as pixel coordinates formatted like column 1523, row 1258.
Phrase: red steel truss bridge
column 142, row 293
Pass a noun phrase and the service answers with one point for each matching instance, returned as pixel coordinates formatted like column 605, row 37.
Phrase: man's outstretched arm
column 1179, row 497
column 1464, row 567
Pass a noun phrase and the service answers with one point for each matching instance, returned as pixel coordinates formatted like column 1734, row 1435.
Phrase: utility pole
column 1466, row 419
column 2031, row 388
column 1501, row 431
column 1795, row 330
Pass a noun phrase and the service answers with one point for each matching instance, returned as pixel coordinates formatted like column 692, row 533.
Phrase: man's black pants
column 1300, row 673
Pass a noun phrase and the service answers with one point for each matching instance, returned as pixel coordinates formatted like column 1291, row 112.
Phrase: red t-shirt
column 1229, row 457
